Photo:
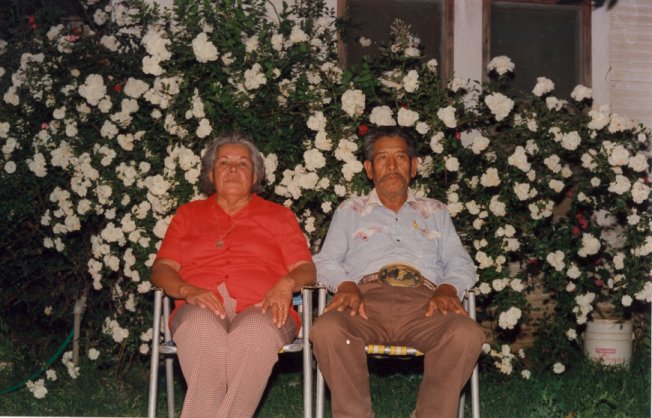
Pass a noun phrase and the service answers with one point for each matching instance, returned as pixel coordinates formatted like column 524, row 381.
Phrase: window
column 548, row 38
column 430, row 20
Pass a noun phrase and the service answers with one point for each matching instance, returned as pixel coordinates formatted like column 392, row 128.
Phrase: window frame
column 585, row 34
column 445, row 67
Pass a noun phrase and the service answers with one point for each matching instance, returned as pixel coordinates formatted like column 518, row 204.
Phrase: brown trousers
column 226, row 362
column 451, row 344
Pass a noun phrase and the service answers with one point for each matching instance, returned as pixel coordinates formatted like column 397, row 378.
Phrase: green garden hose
column 40, row 371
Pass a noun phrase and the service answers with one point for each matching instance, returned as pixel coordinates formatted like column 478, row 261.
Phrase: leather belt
column 399, row 275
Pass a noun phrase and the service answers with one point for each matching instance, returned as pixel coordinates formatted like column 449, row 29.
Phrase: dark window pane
column 372, row 19
column 542, row 40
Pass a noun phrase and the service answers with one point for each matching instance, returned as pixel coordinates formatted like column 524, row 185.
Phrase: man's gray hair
column 375, row 134
column 208, row 160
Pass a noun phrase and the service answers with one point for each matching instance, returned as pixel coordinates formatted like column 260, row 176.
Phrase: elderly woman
column 232, row 262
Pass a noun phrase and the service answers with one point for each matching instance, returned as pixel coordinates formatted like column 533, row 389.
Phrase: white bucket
column 608, row 341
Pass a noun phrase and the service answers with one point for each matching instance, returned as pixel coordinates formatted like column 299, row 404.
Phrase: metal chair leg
column 169, row 362
column 321, row 304
column 475, row 381
column 153, row 369
column 307, row 353
column 169, row 380
column 460, row 410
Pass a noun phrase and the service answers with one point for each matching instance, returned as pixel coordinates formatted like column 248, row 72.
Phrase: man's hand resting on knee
column 347, row 296
column 445, row 300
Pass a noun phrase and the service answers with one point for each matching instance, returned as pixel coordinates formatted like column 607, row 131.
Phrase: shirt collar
column 252, row 205
column 373, row 200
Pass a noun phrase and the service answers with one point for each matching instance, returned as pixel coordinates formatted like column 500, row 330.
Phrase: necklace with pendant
column 219, row 244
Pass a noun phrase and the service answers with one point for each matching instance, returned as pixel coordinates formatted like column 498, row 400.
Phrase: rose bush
column 102, row 128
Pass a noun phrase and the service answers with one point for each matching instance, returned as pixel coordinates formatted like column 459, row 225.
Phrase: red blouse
column 260, row 242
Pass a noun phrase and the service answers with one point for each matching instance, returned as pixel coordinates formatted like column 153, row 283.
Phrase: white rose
column 543, row 86
column 590, row 245
column 573, row 271
column 203, row 48
column 298, row 35
column 151, row 65
column 447, row 115
column 556, row 185
column 411, row 81
column 640, row 192
column 620, row 185
column 457, row 84
column 556, row 259
column 407, row 117
column 501, row 64
column 626, row 301
column 204, row 129
column 509, row 318
column 314, row 159
column 519, row 159
column 10, row 167
column 571, row 140
column 499, row 104
column 323, row 142
column 353, row 102
column 382, row 116
column 638, row 162
column 432, row 65
column 93, row 354
column 37, row 165
column 558, row 368
column 490, row 178
column 108, row 130
column 317, row 121
column 99, row 17
column 350, row 168
column 93, row 89
column 497, row 207
column 553, row 163
column 227, row 59
column 254, row 77
column 251, row 44
column 435, row 143
column 135, row 88
column 619, row 156
column 580, row 93
column 479, row 144
column 599, row 118
column 452, row 164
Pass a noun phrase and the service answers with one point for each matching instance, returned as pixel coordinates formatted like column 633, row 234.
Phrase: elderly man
column 398, row 272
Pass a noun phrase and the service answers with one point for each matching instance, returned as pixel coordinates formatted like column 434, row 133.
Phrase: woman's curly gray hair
column 210, row 152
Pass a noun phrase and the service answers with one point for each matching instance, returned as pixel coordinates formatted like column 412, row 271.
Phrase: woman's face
column 233, row 171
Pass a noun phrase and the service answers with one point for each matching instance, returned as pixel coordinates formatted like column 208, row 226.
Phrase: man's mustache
column 389, row 175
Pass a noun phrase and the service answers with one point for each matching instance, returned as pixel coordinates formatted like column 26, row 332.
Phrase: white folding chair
column 167, row 350
column 391, row 350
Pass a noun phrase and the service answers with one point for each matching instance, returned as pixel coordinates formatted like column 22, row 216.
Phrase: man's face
column 392, row 168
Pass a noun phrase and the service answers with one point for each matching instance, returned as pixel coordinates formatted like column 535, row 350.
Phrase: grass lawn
column 584, row 390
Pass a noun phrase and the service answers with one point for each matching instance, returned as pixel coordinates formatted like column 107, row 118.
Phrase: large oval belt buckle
column 400, row 275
